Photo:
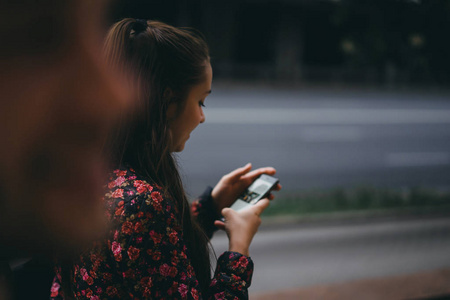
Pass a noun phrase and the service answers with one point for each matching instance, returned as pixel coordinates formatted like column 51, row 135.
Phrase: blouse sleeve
column 204, row 211
column 147, row 258
column 232, row 277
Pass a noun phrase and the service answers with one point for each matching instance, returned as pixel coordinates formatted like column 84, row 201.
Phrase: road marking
column 417, row 159
column 331, row 134
column 319, row 116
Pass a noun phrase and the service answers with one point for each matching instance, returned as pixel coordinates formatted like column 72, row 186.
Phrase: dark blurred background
column 349, row 100
column 391, row 43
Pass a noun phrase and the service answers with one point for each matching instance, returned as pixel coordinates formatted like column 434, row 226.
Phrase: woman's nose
column 202, row 117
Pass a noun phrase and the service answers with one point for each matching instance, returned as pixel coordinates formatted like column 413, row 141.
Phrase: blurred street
column 319, row 254
column 322, row 138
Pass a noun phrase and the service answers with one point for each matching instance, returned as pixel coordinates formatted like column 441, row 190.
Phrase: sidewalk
column 424, row 285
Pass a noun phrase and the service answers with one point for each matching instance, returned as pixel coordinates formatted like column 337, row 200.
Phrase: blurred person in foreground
column 58, row 100
column 154, row 249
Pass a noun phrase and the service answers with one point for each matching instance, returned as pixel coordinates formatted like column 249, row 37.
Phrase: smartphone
column 259, row 189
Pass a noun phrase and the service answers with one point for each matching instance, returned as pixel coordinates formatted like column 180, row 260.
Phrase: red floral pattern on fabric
column 145, row 256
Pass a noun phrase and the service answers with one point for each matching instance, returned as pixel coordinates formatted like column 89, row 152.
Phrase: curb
column 425, row 285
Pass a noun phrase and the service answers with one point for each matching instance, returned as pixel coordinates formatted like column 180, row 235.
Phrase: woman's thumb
column 227, row 213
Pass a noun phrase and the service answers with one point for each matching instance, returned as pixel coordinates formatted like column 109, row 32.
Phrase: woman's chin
column 179, row 148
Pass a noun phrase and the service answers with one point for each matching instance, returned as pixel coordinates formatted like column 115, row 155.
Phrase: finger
column 219, row 224
column 271, row 197
column 236, row 174
column 227, row 213
column 277, row 187
column 261, row 205
column 256, row 173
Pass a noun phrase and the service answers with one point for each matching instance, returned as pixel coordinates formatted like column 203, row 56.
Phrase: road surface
column 308, row 254
column 322, row 138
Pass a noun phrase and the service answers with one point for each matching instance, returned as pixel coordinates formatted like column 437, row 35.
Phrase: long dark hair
column 164, row 63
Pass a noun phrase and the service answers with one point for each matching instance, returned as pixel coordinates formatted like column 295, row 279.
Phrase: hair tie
column 140, row 25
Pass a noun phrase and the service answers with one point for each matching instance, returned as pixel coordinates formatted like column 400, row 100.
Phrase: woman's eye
column 201, row 104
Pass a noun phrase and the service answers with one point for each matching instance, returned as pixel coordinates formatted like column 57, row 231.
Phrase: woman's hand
column 233, row 184
column 242, row 226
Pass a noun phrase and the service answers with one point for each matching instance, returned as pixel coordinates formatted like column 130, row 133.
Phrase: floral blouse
column 145, row 257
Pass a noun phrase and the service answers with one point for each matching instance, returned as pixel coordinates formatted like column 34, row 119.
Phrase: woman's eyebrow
column 208, row 92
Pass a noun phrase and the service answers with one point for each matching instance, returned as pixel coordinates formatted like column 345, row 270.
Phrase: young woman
column 157, row 246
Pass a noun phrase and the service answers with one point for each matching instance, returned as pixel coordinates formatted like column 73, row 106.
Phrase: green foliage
column 362, row 199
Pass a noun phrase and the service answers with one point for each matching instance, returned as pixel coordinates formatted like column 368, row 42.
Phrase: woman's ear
column 171, row 112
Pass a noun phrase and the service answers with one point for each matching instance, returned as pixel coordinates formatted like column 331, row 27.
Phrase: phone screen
column 256, row 191
column 259, row 189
